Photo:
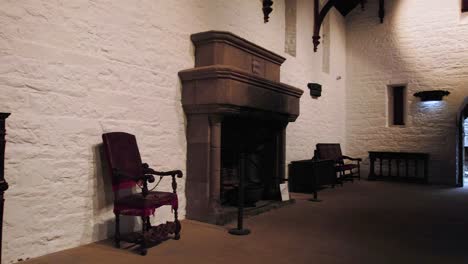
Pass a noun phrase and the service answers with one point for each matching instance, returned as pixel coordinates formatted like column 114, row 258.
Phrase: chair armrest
column 148, row 170
column 174, row 173
column 302, row 161
column 353, row 159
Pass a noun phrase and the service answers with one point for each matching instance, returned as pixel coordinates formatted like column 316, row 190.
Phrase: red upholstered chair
column 333, row 152
column 127, row 171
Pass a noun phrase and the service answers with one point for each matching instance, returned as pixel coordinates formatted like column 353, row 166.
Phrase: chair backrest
column 121, row 152
column 330, row 151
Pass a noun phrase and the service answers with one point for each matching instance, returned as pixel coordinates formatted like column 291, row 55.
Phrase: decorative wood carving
column 154, row 234
column 3, row 183
column 381, row 10
column 319, row 16
column 267, row 9
column 344, row 6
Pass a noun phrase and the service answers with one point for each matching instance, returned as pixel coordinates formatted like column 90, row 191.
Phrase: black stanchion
column 316, row 186
column 240, row 230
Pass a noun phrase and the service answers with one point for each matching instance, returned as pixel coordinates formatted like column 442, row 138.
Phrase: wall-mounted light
column 315, row 89
column 435, row 95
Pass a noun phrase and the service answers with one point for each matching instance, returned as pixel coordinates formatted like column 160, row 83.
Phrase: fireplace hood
column 232, row 77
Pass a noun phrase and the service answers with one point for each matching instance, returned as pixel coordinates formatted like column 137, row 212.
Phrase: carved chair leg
column 117, row 231
column 143, row 249
column 148, row 223
column 359, row 171
column 178, row 226
column 340, row 179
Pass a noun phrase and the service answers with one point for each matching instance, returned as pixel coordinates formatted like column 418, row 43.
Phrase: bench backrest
column 330, row 151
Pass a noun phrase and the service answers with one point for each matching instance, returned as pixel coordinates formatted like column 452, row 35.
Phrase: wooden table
column 400, row 166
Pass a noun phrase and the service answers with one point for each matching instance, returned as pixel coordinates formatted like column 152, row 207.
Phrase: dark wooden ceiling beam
column 319, row 16
column 343, row 6
column 381, row 10
column 267, row 9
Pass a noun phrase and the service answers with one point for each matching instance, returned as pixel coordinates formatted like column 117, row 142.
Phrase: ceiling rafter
column 343, row 6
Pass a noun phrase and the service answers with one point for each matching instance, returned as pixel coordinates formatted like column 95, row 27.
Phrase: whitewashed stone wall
column 322, row 120
column 422, row 44
column 71, row 70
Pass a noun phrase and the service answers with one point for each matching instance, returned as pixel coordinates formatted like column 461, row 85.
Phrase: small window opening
column 464, row 5
column 396, row 103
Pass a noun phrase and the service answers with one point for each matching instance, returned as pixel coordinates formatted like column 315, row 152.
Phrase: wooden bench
column 399, row 166
column 332, row 151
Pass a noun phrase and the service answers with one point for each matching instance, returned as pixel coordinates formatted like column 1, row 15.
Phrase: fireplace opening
column 258, row 140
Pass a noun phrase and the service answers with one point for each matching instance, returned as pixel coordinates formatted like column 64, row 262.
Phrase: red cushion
column 136, row 204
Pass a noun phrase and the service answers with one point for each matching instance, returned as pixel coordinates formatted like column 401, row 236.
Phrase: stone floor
column 362, row 222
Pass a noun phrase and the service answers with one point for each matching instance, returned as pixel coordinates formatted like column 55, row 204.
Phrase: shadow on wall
column 103, row 200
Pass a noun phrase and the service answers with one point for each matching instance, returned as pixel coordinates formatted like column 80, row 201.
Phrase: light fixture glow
column 432, row 104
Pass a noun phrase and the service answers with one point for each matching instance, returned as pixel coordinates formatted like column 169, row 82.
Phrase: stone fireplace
column 234, row 104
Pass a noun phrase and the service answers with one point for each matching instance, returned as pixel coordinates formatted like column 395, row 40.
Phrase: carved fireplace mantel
column 222, row 89
column 232, row 78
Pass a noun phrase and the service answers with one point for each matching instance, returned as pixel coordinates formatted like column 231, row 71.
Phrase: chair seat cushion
column 346, row 167
column 136, row 204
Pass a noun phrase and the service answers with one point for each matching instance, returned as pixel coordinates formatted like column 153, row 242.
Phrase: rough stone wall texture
column 71, row 70
column 421, row 44
column 322, row 120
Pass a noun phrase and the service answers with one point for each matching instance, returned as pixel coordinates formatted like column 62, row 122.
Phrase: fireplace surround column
column 215, row 164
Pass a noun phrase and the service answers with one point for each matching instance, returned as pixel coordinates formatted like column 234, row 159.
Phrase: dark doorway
column 462, row 144
column 465, row 151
